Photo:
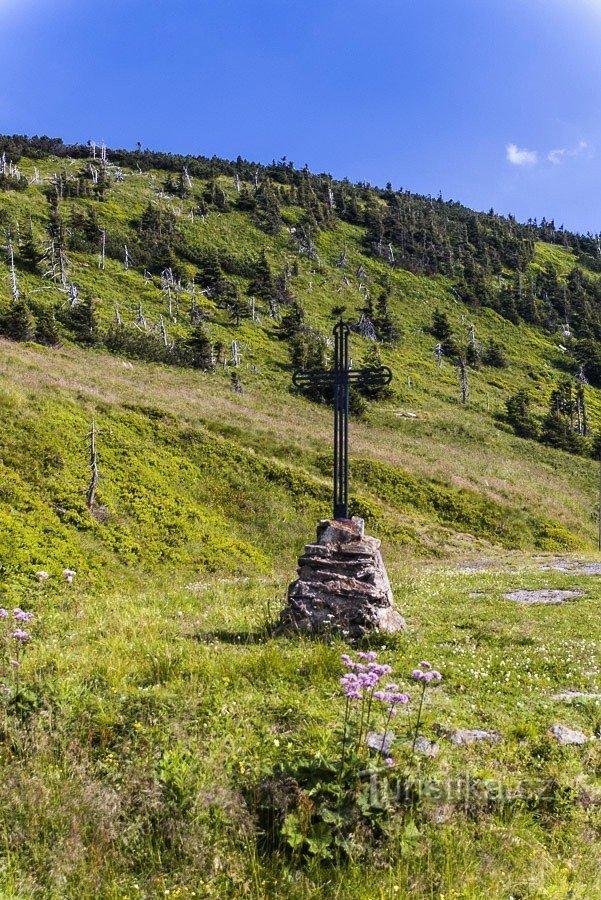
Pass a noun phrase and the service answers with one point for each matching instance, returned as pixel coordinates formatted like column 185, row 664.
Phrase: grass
column 150, row 714
column 152, row 697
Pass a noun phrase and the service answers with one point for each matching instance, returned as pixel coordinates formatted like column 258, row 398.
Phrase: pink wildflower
column 21, row 616
column 19, row 635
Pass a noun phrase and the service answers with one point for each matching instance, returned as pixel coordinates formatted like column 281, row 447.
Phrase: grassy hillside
column 151, row 699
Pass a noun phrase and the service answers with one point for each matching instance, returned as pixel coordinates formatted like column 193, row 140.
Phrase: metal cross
column 339, row 380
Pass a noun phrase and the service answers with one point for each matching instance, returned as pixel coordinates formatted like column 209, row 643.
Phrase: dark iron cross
column 339, row 380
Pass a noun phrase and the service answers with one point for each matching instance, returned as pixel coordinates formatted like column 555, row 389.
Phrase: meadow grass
column 152, row 698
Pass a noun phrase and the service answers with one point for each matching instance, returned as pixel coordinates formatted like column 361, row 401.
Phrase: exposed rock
column 342, row 585
column 464, row 736
column 574, row 568
column 424, row 746
column 589, row 569
column 544, row 596
column 566, row 735
column 568, row 696
column 380, row 742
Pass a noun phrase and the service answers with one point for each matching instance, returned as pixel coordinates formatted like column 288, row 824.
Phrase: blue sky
column 496, row 103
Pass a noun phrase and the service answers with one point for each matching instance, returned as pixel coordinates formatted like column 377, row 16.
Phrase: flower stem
column 344, row 730
column 418, row 722
column 386, row 730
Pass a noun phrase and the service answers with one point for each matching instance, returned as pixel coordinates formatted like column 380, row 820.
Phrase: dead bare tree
column 163, row 331
column 141, row 318
column 14, row 284
column 195, row 316
column 473, row 337
column 93, row 463
column 365, row 327
column 102, row 248
column 342, row 261
column 62, row 265
column 463, row 380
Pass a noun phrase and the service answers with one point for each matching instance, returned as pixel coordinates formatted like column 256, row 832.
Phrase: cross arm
column 318, row 378
column 371, row 377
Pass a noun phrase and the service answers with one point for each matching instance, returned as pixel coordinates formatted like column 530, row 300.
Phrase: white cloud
column 556, row 156
column 519, row 157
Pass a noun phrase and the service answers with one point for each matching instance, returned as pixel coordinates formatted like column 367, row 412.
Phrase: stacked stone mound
column 342, row 585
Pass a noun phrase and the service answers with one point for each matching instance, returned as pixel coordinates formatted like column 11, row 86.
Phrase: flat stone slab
column 589, row 569
column 568, row 696
column 565, row 735
column 466, row 736
column 380, row 742
column 573, row 568
column 331, row 531
column 545, row 596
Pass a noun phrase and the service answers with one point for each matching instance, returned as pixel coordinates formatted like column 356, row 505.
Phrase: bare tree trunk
column 102, row 249
column 163, row 331
column 62, row 264
column 92, row 487
column 463, row 380
column 141, row 318
column 14, row 284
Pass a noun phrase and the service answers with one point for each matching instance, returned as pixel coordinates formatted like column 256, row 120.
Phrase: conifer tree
column 199, row 346
column 441, row 327
column 262, row 283
column 519, row 414
column 18, row 322
column 81, row 320
column 386, row 330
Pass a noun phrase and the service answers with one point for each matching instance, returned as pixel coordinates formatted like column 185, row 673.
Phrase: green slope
column 192, row 474
column 152, row 700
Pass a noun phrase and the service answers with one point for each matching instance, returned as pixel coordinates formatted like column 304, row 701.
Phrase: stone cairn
column 342, row 585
